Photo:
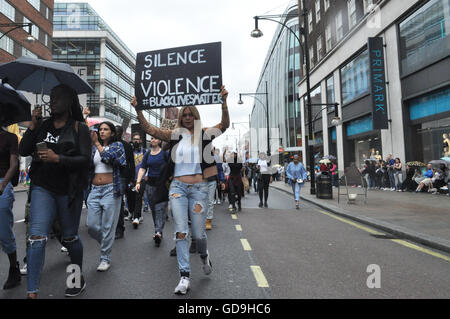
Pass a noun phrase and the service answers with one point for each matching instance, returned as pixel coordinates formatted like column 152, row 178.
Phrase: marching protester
column 220, row 176
column 136, row 197
column 154, row 162
column 105, row 197
column 264, row 179
column 235, row 185
column 8, row 166
column 127, row 174
column 190, row 166
column 60, row 147
column 297, row 176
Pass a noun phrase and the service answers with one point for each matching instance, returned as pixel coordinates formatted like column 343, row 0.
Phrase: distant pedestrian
column 154, row 162
column 135, row 197
column 297, row 176
column 235, row 185
column 265, row 178
column 105, row 197
column 398, row 175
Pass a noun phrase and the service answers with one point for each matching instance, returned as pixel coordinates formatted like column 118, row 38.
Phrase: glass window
column 327, row 4
column 7, row 44
column 425, row 36
column 111, row 56
column 311, row 56
column 330, row 92
column 26, row 52
column 351, row 4
column 339, row 27
column 319, row 48
column 125, row 68
column 111, row 76
column 355, row 78
column 34, row 28
column 7, row 10
column 36, row 4
column 317, row 11
column 310, row 22
column 328, row 43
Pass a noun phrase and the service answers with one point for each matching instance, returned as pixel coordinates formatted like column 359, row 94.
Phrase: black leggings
column 263, row 185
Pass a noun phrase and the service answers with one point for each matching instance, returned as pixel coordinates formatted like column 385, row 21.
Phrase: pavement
column 420, row 217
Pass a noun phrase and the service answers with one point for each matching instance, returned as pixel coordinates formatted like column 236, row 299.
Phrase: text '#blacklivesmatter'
column 178, row 77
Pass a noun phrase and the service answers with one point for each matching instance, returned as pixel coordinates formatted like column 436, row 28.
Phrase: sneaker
column 157, row 239
column 23, row 270
column 173, row 252
column 207, row 265
column 260, row 205
column 183, row 286
column 141, row 220
column 218, row 202
column 135, row 223
column 73, row 292
column 104, row 266
column 230, row 207
column 64, row 250
column 265, row 205
column 13, row 277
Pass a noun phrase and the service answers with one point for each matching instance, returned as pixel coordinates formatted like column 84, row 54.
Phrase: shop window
column 430, row 105
column 425, row 36
column 355, row 78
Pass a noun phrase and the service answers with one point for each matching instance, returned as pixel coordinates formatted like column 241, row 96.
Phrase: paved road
column 264, row 253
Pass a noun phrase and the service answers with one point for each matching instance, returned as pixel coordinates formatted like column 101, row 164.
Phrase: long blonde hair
column 197, row 122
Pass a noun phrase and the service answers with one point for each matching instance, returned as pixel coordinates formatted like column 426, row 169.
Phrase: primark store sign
column 378, row 83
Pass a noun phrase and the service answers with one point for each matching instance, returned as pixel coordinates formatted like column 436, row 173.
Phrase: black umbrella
column 41, row 76
column 14, row 107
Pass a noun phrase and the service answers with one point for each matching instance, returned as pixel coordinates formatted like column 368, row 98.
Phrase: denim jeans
column 398, row 177
column 103, row 216
column 7, row 238
column 296, row 187
column 391, row 178
column 185, row 200
column 45, row 206
column 158, row 210
column 212, row 185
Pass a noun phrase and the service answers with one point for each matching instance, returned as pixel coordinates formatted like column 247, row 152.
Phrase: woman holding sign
column 190, row 165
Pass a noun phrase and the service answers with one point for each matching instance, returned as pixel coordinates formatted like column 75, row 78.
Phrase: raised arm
column 163, row 135
column 225, row 122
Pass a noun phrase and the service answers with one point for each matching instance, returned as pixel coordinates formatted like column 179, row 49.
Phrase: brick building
column 14, row 44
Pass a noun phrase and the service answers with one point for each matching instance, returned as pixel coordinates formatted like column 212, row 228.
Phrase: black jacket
column 76, row 159
column 129, row 172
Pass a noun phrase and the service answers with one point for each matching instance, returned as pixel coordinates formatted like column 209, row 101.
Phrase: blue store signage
column 378, row 84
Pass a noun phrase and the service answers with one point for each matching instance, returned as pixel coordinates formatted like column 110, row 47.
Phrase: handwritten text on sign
column 178, row 77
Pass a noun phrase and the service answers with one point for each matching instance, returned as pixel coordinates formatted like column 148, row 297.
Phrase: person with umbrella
column 60, row 146
column 8, row 166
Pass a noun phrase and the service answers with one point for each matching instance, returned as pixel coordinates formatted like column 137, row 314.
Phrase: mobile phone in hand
column 42, row 146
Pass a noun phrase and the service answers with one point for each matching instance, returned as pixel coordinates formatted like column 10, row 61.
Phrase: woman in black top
column 235, row 185
column 8, row 167
column 61, row 150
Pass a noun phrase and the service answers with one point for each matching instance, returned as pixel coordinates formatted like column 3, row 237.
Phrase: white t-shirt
column 263, row 167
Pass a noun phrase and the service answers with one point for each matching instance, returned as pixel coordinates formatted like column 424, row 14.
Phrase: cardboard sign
column 183, row 76
column 167, row 124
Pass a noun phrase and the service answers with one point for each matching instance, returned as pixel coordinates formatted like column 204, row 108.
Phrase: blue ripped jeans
column 7, row 238
column 189, row 200
column 44, row 207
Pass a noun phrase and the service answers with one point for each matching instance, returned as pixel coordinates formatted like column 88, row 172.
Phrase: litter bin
column 324, row 187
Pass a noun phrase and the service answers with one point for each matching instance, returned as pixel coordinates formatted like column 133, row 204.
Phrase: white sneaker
column 136, row 223
column 218, row 202
column 183, row 286
column 207, row 265
column 104, row 266
column 23, row 270
column 141, row 220
column 230, row 206
column 64, row 250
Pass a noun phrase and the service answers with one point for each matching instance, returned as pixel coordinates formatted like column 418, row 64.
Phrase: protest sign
column 183, row 76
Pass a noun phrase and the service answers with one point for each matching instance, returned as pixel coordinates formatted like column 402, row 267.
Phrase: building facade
column 416, row 38
column 280, row 73
column 84, row 40
column 13, row 44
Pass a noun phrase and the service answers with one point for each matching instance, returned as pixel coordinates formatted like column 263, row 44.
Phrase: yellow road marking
column 367, row 229
column 246, row 245
column 238, row 227
column 424, row 250
column 398, row 241
column 259, row 276
column 234, row 216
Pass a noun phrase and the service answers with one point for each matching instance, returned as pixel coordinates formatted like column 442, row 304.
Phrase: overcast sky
column 146, row 25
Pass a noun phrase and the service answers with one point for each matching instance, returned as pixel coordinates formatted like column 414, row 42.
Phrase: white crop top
column 101, row 167
column 187, row 158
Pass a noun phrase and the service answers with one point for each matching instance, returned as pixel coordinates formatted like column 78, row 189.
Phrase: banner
column 378, row 84
column 183, row 76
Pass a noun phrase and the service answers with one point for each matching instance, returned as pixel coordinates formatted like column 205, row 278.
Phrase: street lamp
column 267, row 112
column 15, row 26
column 304, row 31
